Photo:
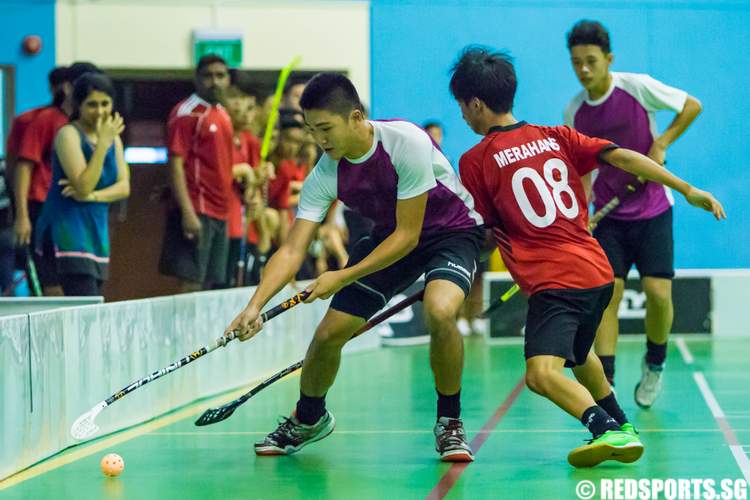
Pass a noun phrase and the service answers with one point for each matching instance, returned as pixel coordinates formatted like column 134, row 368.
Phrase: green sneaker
column 612, row 445
column 630, row 429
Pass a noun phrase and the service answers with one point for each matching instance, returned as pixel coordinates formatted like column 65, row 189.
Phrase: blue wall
column 17, row 19
column 698, row 46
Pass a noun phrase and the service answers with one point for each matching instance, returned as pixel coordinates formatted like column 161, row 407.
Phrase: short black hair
column 332, row 92
column 57, row 76
column 209, row 59
column 486, row 74
column 289, row 121
column 432, row 124
column 243, row 82
column 87, row 83
column 587, row 32
column 292, row 115
column 80, row 68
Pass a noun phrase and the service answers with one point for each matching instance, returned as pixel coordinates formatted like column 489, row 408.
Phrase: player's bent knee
column 659, row 294
column 329, row 336
column 540, row 371
column 440, row 315
column 535, row 381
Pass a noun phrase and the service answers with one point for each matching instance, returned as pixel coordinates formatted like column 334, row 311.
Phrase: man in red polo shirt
column 30, row 145
column 199, row 139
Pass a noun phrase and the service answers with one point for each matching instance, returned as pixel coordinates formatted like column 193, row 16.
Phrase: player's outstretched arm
column 281, row 268
column 644, row 167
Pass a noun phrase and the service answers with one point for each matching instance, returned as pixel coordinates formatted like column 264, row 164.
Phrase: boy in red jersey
column 526, row 184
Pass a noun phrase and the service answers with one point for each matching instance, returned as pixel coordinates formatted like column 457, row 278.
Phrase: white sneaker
column 648, row 389
column 479, row 326
column 450, row 441
column 463, row 327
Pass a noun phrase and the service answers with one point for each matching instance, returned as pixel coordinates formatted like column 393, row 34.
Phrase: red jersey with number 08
column 526, row 183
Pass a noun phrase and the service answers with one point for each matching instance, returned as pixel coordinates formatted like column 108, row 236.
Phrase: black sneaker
column 291, row 435
column 450, row 441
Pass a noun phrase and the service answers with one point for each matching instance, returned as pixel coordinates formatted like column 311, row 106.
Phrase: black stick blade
column 215, row 415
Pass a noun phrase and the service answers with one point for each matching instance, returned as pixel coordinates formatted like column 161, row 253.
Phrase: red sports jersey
column 36, row 146
column 278, row 188
column 247, row 146
column 526, row 183
column 246, row 149
column 201, row 134
column 296, row 171
column 17, row 128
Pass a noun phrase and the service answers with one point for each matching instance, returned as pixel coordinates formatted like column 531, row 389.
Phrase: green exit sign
column 224, row 43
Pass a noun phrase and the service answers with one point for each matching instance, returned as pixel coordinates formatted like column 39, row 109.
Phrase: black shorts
column 204, row 261
column 44, row 262
column 234, row 256
column 647, row 243
column 563, row 322
column 450, row 255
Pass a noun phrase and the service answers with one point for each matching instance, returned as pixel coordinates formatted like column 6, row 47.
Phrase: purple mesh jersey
column 402, row 163
column 625, row 116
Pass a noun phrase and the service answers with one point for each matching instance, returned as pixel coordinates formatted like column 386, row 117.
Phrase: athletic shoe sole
column 592, row 455
column 456, row 456
column 271, row 451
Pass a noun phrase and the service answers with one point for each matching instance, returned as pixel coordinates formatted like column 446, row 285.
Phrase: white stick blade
column 84, row 426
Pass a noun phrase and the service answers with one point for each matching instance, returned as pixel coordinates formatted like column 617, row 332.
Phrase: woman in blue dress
column 88, row 173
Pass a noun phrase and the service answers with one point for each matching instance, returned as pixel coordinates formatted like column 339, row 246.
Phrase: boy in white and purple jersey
column 620, row 107
column 424, row 223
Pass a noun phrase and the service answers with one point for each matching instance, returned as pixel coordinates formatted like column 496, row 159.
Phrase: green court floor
column 382, row 448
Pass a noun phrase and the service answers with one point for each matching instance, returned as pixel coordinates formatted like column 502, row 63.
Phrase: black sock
column 610, row 405
column 598, row 421
column 608, row 363
column 310, row 409
column 655, row 353
column 449, row 406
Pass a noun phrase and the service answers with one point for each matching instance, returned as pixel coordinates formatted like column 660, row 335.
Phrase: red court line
column 451, row 475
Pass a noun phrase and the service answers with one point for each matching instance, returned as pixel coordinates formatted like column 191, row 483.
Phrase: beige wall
column 158, row 34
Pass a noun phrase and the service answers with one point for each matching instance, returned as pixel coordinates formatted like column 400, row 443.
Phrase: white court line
column 743, row 462
column 624, row 339
column 687, row 356
column 739, row 455
column 422, row 431
column 708, row 396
